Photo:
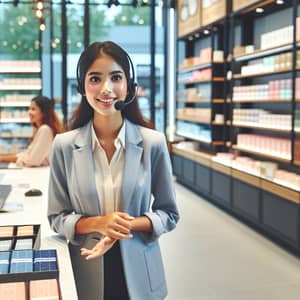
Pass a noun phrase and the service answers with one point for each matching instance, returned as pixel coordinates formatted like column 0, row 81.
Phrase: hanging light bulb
column 42, row 25
column 39, row 13
column 40, row 5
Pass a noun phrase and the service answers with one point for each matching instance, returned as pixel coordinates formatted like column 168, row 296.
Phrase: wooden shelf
column 192, row 119
column 214, row 79
column 195, row 101
column 296, row 162
column 14, row 120
column 263, row 52
column 20, row 88
column 263, row 101
column 193, row 138
column 218, row 101
column 240, row 76
column 20, row 71
column 259, row 153
column 261, row 127
column 218, row 143
column 15, row 104
column 281, row 191
column 217, row 123
column 198, row 67
column 201, row 157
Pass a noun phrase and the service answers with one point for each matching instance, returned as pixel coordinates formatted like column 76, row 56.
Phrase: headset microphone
column 120, row 105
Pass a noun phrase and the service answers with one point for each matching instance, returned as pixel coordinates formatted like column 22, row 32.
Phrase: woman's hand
column 116, row 226
column 100, row 248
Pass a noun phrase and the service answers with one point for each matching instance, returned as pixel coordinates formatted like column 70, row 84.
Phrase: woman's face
column 35, row 114
column 105, row 83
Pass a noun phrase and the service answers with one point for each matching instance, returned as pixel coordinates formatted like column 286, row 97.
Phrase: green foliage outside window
column 19, row 27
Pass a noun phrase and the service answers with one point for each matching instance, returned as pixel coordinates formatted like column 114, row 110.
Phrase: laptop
column 8, row 165
column 5, row 190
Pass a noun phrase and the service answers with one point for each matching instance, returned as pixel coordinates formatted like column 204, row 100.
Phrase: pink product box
column 276, row 146
column 225, row 155
column 13, row 291
column 202, row 75
column 44, row 289
column 47, row 289
column 205, row 55
column 297, row 87
column 6, row 231
column 288, row 177
column 22, row 236
column 298, row 28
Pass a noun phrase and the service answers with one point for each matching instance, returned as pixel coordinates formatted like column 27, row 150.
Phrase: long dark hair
column 84, row 112
column 49, row 116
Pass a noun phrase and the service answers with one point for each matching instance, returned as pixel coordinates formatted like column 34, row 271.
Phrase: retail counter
column 33, row 210
column 268, row 206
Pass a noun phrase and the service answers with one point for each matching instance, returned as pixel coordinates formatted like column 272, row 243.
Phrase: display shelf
column 194, row 138
column 194, row 101
column 253, row 77
column 14, row 120
column 259, row 53
column 21, row 88
column 203, row 73
column 14, row 104
column 214, row 79
column 263, row 101
column 260, row 153
column 240, row 76
column 253, row 178
column 270, row 128
column 285, row 192
column 192, row 119
column 249, row 6
column 215, row 123
column 20, row 70
column 199, row 67
column 20, row 82
column 216, row 101
column 195, row 155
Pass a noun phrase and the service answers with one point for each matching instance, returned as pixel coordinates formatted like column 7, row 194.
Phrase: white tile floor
column 212, row 256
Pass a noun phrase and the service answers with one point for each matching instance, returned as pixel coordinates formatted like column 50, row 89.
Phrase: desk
column 35, row 212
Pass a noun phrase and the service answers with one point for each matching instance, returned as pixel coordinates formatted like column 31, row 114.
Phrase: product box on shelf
column 213, row 10
column 20, row 237
column 30, row 274
column 189, row 16
column 238, row 4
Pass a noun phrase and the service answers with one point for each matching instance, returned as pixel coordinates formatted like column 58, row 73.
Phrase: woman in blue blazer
column 111, row 191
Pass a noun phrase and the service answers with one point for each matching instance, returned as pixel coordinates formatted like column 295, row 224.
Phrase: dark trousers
column 115, row 287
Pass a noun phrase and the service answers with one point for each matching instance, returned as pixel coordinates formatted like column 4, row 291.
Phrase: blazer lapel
column 133, row 155
column 84, row 169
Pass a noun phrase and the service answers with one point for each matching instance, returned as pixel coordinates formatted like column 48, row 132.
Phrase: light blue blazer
column 147, row 189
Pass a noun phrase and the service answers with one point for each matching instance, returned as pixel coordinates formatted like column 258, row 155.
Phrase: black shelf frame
column 217, row 34
column 245, row 18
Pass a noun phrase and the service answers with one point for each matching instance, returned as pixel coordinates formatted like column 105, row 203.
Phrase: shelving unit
column 265, row 74
column 255, row 174
column 20, row 81
column 202, row 88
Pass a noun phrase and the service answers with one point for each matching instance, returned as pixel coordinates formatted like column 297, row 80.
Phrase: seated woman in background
column 46, row 125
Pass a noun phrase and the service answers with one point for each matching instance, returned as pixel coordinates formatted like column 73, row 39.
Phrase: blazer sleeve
column 38, row 151
column 164, row 214
column 61, row 214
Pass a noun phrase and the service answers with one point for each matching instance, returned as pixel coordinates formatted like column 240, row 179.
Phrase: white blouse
column 38, row 152
column 109, row 176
